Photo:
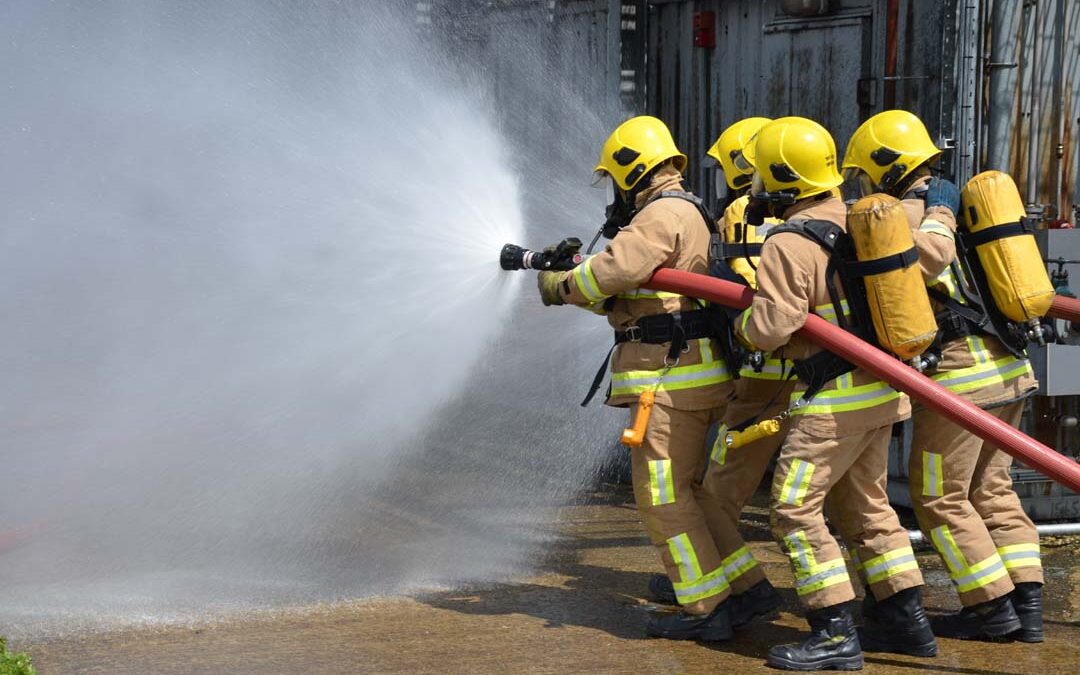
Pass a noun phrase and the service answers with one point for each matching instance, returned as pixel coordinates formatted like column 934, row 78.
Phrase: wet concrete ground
column 583, row 612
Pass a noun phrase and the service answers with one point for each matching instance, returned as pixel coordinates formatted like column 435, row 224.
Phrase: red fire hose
column 1034, row 454
column 1066, row 308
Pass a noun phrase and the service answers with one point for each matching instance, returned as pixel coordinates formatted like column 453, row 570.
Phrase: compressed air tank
column 898, row 303
column 1005, row 249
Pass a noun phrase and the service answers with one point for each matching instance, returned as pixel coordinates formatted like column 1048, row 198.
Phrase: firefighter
column 762, row 390
column 960, row 485
column 839, row 438
column 663, row 345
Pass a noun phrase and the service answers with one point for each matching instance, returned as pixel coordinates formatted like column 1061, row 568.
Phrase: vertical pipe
column 1035, row 122
column 892, row 23
column 968, row 71
column 1002, row 82
column 1058, row 200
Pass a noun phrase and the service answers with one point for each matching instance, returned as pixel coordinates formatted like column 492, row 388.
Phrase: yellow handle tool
column 737, row 439
column 635, row 435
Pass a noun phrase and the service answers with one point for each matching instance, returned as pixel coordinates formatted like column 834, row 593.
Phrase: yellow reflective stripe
column 738, row 563
column 933, row 478
column 977, row 347
column 705, row 345
column 948, row 280
column 772, row 369
column 946, row 546
column 647, row 294
column 719, row 448
column 796, row 482
column 682, row 552
column 982, row 375
column 845, row 400
column 1020, row 555
column 711, row 584
column 936, row 227
column 661, row 482
column 982, row 573
column 743, row 318
column 676, row 379
column 828, row 312
column 845, row 381
column 826, row 574
column 798, row 548
column 889, row 564
column 586, row 282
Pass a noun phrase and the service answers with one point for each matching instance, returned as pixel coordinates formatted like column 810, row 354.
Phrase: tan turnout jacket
column 791, row 284
column 666, row 233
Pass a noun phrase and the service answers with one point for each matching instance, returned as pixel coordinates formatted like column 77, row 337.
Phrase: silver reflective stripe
column 1022, row 555
column 996, row 566
column 706, row 585
column 821, row 576
column 884, row 565
column 823, row 398
column 733, row 567
column 669, row 378
column 662, row 469
column 796, row 543
column 684, row 557
column 938, row 535
column 982, row 374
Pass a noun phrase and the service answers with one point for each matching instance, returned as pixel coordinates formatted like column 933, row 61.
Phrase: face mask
column 618, row 214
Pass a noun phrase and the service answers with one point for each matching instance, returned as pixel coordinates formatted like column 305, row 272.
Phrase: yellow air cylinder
column 734, row 230
column 1013, row 266
column 899, row 305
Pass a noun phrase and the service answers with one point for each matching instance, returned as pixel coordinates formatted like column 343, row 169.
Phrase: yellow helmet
column 797, row 156
column 888, row 147
column 635, row 148
column 729, row 148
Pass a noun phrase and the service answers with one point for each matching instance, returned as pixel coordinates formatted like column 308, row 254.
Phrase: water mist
column 257, row 347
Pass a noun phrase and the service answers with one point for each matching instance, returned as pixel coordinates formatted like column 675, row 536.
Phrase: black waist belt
column 658, row 329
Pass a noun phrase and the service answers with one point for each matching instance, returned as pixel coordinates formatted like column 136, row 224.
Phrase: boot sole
column 700, row 635
column 999, row 632
column 831, row 663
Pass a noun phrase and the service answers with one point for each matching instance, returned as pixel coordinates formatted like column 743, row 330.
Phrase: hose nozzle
column 566, row 255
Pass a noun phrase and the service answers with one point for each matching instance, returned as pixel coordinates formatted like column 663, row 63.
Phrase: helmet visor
column 741, row 162
column 601, row 179
column 719, row 182
column 757, row 186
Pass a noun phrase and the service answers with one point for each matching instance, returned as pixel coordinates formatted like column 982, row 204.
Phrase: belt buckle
column 634, row 333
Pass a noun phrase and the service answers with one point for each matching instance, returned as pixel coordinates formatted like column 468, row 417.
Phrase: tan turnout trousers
column 963, row 498
column 666, row 469
column 839, row 440
column 960, row 486
column 690, row 395
column 733, row 475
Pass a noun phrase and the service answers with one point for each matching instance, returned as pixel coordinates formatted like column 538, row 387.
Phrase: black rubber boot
column 712, row 627
column 898, row 624
column 833, row 644
column 662, row 590
column 991, row 620
column 759, row 601
column 1027, row 602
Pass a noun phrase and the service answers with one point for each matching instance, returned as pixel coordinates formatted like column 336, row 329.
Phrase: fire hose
column 1065, row 308
column 930, row 394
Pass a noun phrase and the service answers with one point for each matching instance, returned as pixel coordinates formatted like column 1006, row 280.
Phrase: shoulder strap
column 688, row 197
column 824, row 233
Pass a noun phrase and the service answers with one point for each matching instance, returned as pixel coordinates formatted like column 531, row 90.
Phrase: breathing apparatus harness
column 676, row 328
column 975, row 313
